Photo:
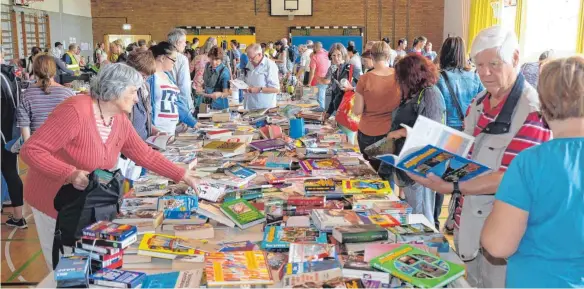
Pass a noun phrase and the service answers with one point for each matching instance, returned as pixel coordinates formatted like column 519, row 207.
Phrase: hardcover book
column 237, row 269
column 417, row 267
column 281, row 237
column 242, row 213
column 360, row 233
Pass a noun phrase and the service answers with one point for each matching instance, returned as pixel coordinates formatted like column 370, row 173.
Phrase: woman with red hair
column 416, row 76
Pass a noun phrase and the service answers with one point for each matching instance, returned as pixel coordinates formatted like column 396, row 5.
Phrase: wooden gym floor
column 23, row 264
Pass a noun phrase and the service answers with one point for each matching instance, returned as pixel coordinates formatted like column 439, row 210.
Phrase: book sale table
column 269, row 210
column 253, row 234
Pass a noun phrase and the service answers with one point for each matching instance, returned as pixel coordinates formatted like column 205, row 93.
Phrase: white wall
column 46, row 5
column 77, row 7
column 453, row 20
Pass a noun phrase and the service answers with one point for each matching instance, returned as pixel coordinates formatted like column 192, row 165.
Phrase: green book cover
column 417, row 267
column 360, row 233
column 241, row 211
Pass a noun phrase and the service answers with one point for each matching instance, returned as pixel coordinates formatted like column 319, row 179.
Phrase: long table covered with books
column 284, row 200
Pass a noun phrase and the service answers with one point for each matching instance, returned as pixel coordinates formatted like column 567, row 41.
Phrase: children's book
column 237, row 269
column 353, row 187
column 117, row 278
column 176, row 279
column 242, row 213
column 322, row 167
column 417, row 267
column 281, row 237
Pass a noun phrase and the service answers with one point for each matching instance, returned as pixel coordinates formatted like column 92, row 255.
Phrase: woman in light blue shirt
column 537, row 220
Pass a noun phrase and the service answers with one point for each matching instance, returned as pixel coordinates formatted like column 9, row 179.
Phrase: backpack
column 293, row 53
column 76, row 209
column 10, row 86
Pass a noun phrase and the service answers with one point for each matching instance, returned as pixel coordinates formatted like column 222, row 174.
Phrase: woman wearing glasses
column 167, row 107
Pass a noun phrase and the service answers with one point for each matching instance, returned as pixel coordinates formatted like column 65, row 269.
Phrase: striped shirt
column 534, row 131
column 36, row 105
column 104, row 131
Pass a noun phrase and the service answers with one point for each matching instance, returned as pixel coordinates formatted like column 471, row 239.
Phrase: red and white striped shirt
column 534, row 131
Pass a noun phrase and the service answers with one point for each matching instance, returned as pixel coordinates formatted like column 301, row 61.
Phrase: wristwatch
column 456, row 189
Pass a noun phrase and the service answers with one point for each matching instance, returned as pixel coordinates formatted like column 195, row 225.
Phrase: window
column 551, row 24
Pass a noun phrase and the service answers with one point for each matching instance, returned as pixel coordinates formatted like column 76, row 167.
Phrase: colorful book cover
column 400, row 207
column 109, row 231
column 278, row 162
column 417, row 267
column 117, row 278
column 360, row 233
column 327, row 219
column 72, row 268
column 354, row 283
column 366, row 187
column 281, row 237
column 241, row 212
column 316, row 201
column 176, row 279
column 237, row 268
column 229, row 147
column 301, row 252
column 362, row 202
column 319, row 185
column 268, row 145
column 241, row 172
column 277, row 261
column 412, row 232
column 384, row 220
column 318, row 167
column 166, row 245
column 178, row 207
column 450, row 167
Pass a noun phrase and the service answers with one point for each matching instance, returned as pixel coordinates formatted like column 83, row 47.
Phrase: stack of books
column 104, row 243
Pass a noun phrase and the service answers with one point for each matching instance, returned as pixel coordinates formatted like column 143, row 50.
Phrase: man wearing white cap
column 504, row 119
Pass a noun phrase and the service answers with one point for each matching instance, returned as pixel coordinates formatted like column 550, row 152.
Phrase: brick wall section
column 155, row 17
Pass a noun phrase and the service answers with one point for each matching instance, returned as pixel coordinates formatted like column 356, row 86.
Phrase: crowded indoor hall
column 292, row 144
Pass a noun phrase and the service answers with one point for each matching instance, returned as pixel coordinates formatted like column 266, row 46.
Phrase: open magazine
column 431, row 147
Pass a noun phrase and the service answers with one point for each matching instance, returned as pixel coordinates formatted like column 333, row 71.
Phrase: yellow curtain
column 520, row 17
column 580, row 39
column 481, row 17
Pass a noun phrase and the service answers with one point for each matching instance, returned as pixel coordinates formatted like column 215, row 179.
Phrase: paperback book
column 242, row 213
column 417, row 267
column 117, row 278
column 353, row 187
column 322, row 167
column 276, row 237
column 237, row 269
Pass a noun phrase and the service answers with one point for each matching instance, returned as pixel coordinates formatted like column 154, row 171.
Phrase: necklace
column 102, row 118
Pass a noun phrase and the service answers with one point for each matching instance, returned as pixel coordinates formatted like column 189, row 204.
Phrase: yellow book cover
column 366, row 187
column 222, row 146
column 237, row 268
column 168, row 246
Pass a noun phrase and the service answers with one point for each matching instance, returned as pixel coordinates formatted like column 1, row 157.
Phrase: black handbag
column 100, row 201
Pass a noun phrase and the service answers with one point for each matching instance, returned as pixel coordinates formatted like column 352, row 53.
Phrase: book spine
column 365, row 237
column 314, row 201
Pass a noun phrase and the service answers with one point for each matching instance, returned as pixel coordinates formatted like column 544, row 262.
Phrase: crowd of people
column 501, row 221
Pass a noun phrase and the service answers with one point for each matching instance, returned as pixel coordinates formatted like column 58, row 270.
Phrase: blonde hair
column 561, row 88
column 380, row 51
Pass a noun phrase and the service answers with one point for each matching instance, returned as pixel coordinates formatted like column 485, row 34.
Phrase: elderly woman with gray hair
column 83, row 134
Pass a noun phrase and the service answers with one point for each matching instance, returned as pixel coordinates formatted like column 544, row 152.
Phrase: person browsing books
column 216, row 77
column 168, row 108
column 97, row 131
column 416, row 77
column 541, row 192
column 505, row 120
column 262, row 79
column 376, row 98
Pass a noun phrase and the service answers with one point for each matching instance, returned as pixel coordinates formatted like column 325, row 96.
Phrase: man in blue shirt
column 262, row 79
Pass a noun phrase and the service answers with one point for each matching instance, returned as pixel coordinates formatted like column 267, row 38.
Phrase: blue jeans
column 421, row 199
column 321, row 95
